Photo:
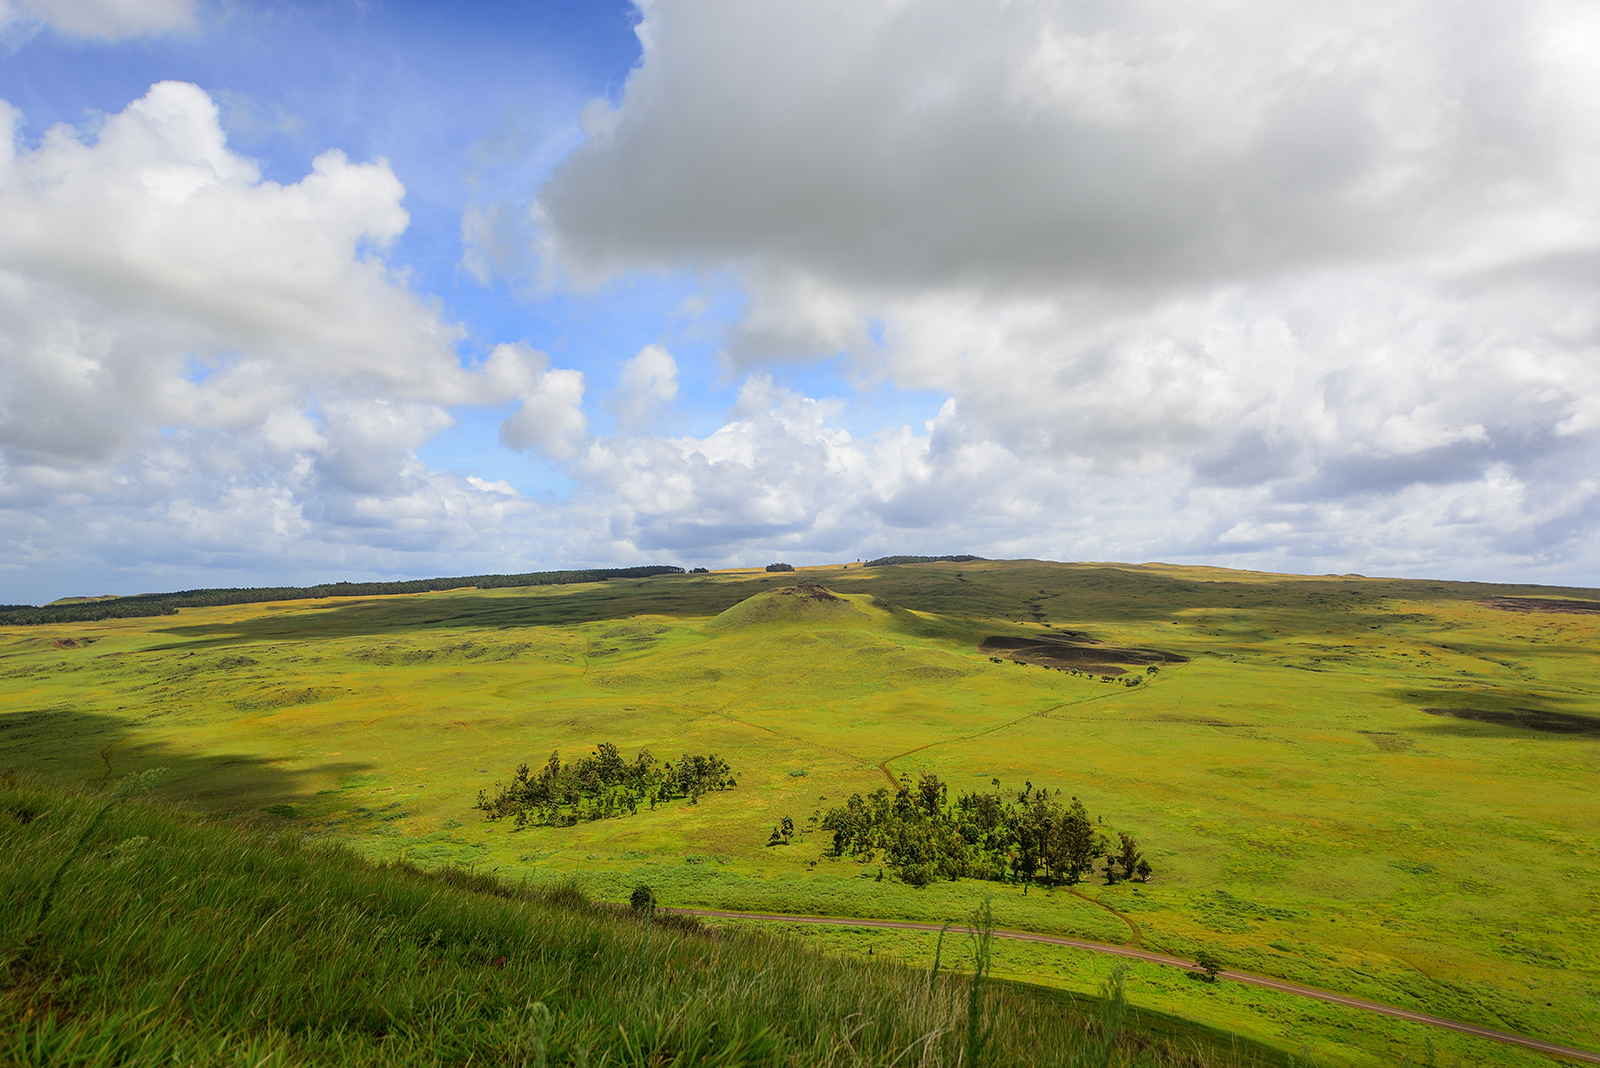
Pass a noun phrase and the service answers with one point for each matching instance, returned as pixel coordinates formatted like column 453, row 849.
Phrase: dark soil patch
column 1528, row 719
column 1540, row 604
column 1000, row 641
column 1088, row 656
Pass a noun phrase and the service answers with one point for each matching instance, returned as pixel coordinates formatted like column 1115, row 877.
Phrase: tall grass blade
column 979, row 1030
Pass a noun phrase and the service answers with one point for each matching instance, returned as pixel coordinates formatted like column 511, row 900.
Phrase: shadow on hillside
column 1489, row 715
column 1465, row 721
column 67, row 746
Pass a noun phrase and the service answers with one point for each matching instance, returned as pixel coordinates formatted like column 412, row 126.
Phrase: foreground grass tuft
column 171, row 940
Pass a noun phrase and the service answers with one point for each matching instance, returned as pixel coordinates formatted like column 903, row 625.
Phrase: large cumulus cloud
column 199, row 365
column 1248, row 281
column 1022, row 144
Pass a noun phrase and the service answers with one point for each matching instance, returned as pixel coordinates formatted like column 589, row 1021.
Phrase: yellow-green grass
column 131, row 935
column 1305, row 817
column 1303, row 1034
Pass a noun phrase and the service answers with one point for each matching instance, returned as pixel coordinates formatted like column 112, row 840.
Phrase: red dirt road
column 1398, row 1013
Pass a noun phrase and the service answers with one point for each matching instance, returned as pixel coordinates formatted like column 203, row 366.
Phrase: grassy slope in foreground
column 174, row 941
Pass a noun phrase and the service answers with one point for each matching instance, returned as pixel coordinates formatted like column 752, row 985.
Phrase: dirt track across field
column 1132, row 953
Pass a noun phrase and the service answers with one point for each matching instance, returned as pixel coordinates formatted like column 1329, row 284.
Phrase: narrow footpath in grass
column 1134, row 953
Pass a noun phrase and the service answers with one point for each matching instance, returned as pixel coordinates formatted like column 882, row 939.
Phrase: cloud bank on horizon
column 1255, row 285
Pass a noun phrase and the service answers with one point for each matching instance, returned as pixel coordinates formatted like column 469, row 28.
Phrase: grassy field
column 133, row 935
column 1309, row 810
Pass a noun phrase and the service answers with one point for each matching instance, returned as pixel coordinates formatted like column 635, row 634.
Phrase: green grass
column 173, row 941
column 1306, row 817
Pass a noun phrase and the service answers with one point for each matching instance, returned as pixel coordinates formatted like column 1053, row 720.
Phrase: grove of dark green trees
column 601, row 785
column 1034, row 837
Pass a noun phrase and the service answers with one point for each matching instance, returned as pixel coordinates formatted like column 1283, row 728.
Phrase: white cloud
column 106, row 20
column 648, row 380
column 941, row 143
column 499, row 485
column 198, row 357
column 1307, row 284
column 550, row 417
column 783, row 479
column 778, row 473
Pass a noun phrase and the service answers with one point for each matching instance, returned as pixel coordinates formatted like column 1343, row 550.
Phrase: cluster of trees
column 1121, row 680
column 780, row 567
column 601, row 785
column 883, row 560
column 166, row 604
column 1034, row 837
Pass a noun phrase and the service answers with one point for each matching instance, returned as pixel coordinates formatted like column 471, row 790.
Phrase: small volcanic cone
column 806, row 604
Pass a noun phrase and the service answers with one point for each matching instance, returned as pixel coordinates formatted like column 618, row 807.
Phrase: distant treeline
column 882, row 560
column 923, row 837
column 166, row 604
column 601, row 785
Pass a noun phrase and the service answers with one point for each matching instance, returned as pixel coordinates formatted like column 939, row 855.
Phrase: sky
column 298, row 292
